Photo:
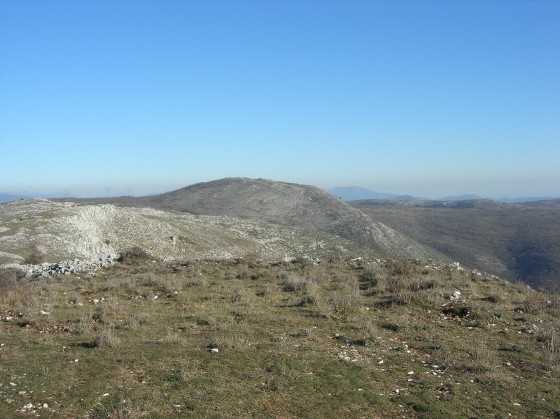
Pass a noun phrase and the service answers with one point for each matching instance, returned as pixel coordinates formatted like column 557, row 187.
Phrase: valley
column 520, row 242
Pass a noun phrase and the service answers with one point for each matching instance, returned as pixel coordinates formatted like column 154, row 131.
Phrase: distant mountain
column 523, row 200
column 547, row 203
column 463, row 197
column 356, row 193
column 472, row 197
column 9, row 198
column 430, row 203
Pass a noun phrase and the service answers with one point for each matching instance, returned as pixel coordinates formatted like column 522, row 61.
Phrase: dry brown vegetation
column 248, row 338
column 35, row 257
column 518, row 242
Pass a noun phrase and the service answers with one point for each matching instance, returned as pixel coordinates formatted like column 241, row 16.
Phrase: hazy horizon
column 426, row 98
column 109, row 192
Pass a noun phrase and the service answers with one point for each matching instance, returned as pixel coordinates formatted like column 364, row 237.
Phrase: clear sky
column 414, row 97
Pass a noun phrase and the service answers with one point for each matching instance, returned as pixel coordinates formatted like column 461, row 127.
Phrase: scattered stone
column 456, row 296
column 67, row 267
column 350, row 355
column 457, row 266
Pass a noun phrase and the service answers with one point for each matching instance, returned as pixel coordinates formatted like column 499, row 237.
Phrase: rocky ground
column 57, row 232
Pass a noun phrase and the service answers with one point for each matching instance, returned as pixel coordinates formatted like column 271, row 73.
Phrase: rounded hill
column 289, row 204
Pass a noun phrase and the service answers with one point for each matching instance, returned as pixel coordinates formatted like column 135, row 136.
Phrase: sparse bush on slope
column 36, row 257
column 135, row 255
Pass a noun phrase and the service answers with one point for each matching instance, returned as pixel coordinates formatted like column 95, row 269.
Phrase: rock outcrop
column 66, row 231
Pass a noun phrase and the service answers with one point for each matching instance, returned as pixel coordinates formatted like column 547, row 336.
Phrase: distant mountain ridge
column 357, row 193
column 463, row 197
column 346, row 193
column 523, row 200
column 353, row 193
column 9, row 197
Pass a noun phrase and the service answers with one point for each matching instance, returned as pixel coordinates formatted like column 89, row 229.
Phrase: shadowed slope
column 515, row 241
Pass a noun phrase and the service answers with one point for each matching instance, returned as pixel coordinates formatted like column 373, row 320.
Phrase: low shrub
column 8, row 277
column 36, row 257
column 250, row 259
column 401, row 267
column 107, row 339
column 21, row 296
column 345, row 301
column 294, row 284
column 308, row 300
column 135, row 255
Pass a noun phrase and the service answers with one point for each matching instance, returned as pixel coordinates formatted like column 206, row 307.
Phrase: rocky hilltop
column 289, row 204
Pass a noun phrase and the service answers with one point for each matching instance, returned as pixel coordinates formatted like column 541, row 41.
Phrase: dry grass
column 292, row 340
column 19, row 297
column 36, row 257
column 106, row 339
column 345, row 300
column 136, row 255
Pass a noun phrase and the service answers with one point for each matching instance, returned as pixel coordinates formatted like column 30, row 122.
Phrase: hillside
column 8, row 197
column 287, row 204
column 345, row 338
column 304, row 206
column 518, row 242
column 215, row 317
column 62, row 231
column 66, row 231
column 548, row 203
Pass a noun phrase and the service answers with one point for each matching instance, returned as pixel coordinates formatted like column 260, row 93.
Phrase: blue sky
column 415, row 97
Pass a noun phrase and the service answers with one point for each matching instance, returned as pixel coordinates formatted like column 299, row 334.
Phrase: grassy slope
column 294, row 340
column 515, row 242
